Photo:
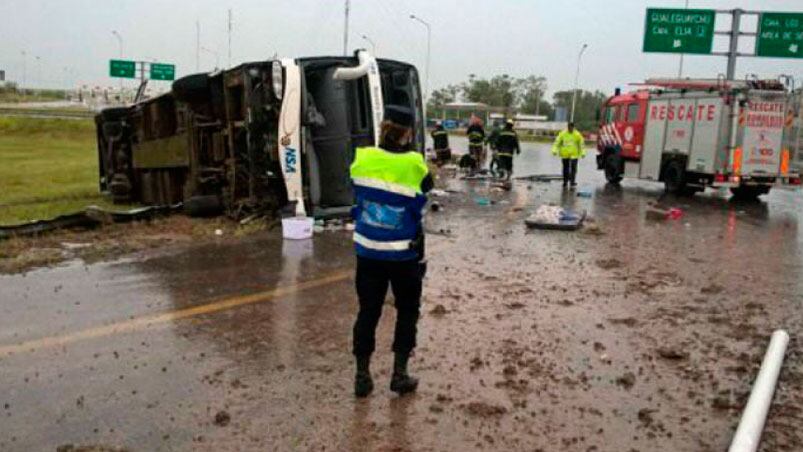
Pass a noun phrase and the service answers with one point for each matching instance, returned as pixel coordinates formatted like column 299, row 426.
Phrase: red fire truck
column 692, row 134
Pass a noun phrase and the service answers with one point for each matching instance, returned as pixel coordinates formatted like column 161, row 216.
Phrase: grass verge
column 48, row 167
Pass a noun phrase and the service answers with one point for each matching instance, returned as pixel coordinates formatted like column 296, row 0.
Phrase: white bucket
column 297, row 228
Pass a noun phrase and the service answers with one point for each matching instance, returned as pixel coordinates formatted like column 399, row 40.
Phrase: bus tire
column 203, row 206
column 675, row 179
column 613, row 169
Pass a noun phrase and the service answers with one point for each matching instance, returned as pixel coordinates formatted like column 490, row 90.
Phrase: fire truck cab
column 693, row 134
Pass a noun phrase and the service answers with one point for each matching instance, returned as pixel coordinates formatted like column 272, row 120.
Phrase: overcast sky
column 73, row 38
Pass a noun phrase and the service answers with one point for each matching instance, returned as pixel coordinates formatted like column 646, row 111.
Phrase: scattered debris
column 222, row 418
column 438, row 310
column 672, row 353
column 554, row 217
column 627, row 380
column 482, row 409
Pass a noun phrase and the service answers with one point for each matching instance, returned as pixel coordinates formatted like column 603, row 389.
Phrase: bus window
column 632, row 112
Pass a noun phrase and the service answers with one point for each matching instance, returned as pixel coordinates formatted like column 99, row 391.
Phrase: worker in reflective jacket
column 570, row 146
column 507, row 143
column 440, row 141
column 390, row 182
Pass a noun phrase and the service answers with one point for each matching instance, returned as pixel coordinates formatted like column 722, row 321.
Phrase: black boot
column 363, row 384
column 401, row 382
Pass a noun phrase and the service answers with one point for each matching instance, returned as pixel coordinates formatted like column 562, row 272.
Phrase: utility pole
column 229, row 65
column 197, row 45
column 680, row 68
column 576, row 80
column 346, row 31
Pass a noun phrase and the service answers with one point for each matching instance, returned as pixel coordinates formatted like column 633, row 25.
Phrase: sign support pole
column 733, row 48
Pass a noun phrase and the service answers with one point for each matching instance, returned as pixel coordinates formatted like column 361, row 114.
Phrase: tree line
column 523, row 95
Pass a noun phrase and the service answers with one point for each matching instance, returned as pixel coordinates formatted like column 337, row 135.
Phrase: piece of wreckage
column 260, row 137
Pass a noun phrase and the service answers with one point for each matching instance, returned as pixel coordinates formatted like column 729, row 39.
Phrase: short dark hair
column 391, row 134
column 571, row 124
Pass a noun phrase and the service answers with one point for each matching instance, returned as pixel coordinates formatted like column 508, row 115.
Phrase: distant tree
column 498, row 91
column 441, row 97
column 531, row 94
column 588, row 103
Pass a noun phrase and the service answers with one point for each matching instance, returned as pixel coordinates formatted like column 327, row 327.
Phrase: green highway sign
column 780, row 35
column 679, row 30
column 161, row 71
column 122, row 69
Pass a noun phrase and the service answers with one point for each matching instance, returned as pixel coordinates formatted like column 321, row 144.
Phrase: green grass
column 48, row 167
column 14, row 96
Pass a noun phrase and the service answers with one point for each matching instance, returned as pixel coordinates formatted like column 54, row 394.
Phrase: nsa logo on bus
column 290, row 160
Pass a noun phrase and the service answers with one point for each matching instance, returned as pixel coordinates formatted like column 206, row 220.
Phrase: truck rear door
column 760, row 134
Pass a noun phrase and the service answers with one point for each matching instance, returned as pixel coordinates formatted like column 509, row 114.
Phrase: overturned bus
column 256, row 138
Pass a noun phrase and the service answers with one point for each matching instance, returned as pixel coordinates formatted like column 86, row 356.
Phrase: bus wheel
column 675, row 179
column 613, row 172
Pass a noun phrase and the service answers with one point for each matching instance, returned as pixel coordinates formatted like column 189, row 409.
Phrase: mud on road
column 630, row 335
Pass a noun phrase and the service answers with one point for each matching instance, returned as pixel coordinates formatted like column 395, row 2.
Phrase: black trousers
column 506, row 163
column 569, row 171
column 373, row 277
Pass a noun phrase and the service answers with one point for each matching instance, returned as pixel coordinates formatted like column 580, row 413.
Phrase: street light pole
column 346, row 30
column 24, row 71
column 120, row 42
column 373, row 45
column 577, row 79
column 429, row 48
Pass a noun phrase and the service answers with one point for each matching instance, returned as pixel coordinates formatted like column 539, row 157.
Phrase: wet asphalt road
column 635, row 335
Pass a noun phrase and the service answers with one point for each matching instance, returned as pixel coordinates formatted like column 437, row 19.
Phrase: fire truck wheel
column 613, row 169
column 747, row 193
column 675, row 179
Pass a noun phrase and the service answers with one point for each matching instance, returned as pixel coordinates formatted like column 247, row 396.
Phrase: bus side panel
column 706, row 140
column 654, row 137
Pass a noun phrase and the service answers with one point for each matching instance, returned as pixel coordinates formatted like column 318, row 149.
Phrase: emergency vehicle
column 265, row 135
column 696, row 133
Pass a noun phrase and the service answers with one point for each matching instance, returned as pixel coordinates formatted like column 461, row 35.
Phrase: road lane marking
column 154, row 319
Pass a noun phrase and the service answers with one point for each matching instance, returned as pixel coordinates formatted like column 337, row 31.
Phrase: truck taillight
column 737, row 161
column 785, row 162
column 719, row 177
column 794, row 181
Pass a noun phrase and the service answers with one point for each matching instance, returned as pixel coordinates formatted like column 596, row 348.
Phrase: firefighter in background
column 507, row 143
column 440, row 141
column 570, row 146
column 476, row 141
column 390, row 186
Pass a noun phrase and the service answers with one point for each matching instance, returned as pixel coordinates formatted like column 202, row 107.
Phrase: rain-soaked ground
column 635, row 335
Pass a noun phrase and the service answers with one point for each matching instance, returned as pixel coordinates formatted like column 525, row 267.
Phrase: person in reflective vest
column 390, row 186
column 507, row 143
column 440, row 142
column 570, row 146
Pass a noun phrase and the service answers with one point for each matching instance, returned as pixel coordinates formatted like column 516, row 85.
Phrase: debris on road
column 222, row 418
column 554, row 217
